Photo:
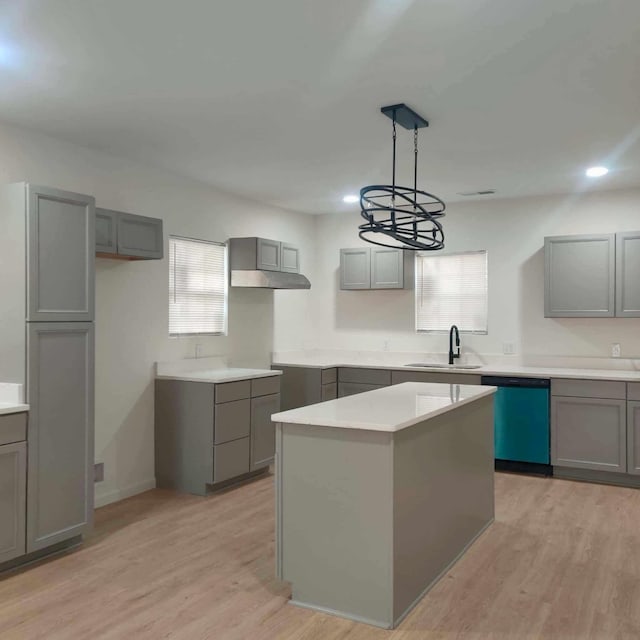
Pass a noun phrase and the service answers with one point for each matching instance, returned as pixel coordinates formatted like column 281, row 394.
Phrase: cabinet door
column 387, row 270
column 232, row 421
column 579, row 276
column 398, row 377
column 628, row 274
column 60, row 390
column 633, row 437
column 263, row 433
column 355, row 268
column 329, row 391
column 106, row 231
column 13, row 482
column 140, row 237
column 589, row 433
column 60, row 255
column 289, row 258
column 269, row 255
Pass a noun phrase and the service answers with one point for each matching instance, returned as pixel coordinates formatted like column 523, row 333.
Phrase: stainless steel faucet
column 453, row 356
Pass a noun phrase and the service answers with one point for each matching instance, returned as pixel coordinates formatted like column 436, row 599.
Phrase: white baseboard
column 103, row 499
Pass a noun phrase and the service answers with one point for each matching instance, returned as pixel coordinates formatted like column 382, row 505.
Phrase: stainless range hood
column 268, row 279
column 259, row 263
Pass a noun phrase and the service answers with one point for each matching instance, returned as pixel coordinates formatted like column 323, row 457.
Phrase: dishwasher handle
column 512, row 381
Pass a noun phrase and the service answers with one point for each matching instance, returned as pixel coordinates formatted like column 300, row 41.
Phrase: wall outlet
column 615, row 350
column 98, row 472
column 385, row 345
column 199, row 350
column 508, row 348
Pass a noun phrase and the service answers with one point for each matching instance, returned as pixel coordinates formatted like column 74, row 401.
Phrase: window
column 197, row 287
column 451, row 289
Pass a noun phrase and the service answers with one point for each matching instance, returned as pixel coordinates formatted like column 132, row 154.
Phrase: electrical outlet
column 508, row 348
column 198, row 351
column 98, row 472
column 615, row 350
column 385, row 345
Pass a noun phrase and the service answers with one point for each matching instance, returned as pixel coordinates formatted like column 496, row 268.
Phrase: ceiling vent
column 484, row 192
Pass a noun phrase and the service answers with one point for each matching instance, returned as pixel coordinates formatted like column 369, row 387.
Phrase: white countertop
column 389, row 409
column 11, row 398
column 220, row 375
column 485, row 369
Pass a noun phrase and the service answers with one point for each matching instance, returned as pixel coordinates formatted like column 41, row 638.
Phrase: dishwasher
column 521, row 424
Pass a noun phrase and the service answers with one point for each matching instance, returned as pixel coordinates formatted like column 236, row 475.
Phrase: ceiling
column 278, row 100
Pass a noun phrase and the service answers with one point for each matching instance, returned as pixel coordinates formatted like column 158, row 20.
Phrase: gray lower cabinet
column 125, row 235
column 633, row 437
column 397, row 377
column 302, row 386
column 329, row 391
column 60, row 390
column 13, row 486
column 589, row 433
column 351, row 388
column 263, row 435
column 627, row 270
column 60, row 255
column 207, row 434
column 579, row 276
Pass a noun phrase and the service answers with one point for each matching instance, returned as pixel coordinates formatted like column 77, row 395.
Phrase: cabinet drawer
column 232, row 421
column 589, row 388
column 351, row 388
column 398, row 377
column 13, row 428
column 633, row 391
column 230, row 391
column 231, row 459
column 379, row 377
column 265, row 386
column 329, row 376
column 329, row 391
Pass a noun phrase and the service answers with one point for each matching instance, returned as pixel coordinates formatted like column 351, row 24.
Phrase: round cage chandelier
column 402, row 217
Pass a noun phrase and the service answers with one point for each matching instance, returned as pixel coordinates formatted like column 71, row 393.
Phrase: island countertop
column 389, row 409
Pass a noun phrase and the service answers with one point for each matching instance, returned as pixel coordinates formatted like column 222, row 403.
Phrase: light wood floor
column 562, row 560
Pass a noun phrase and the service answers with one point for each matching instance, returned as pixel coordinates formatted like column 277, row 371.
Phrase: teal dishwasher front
column 521, row 423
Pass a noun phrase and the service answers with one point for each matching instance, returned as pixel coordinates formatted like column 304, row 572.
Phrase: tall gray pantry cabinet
column 47, row 344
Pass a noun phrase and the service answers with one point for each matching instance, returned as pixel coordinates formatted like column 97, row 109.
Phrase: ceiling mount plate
column 405, row 116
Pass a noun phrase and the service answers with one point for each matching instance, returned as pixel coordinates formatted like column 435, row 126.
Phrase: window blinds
column 197, row 287
column 452, row 289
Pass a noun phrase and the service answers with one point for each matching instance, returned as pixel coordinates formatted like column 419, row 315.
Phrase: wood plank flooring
column 561, row 561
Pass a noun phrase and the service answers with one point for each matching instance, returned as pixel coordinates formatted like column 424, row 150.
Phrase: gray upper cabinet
column 289, row 258
column 579, row 276
column 386, row 268
column 140, row 237
column 263, row 436
column 106, row 231
column 633, row 437
column 60, row 255
column 124, row 235
column 374, row 268
column 628, row 274
column 13, row 482
column 60, row 390
column 355, row 268
column 269, row 255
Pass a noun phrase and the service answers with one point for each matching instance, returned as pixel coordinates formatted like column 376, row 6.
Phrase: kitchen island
column 379, row 493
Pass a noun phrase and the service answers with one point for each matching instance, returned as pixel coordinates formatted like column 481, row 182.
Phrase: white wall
column 512, row 231
column 132, row 297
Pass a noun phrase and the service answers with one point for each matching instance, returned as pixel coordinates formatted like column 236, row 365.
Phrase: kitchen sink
column 440, row 365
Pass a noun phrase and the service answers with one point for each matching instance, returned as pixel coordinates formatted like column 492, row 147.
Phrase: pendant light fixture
column 402, row 217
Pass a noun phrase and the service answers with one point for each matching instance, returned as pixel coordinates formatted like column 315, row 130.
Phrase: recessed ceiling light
column 596, row 172
column 350, row 199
